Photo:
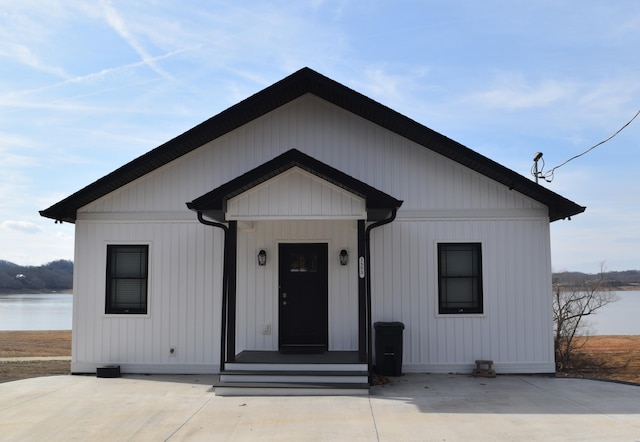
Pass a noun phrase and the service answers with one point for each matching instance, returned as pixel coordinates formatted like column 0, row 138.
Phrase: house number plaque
column 361, row 266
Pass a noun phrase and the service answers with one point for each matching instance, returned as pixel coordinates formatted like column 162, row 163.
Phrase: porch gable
column 296, row 194
column 377, row 204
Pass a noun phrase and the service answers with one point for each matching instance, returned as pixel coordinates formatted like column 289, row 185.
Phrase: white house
column 292, row 222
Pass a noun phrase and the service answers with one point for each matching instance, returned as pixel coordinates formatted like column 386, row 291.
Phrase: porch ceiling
column 377, row 204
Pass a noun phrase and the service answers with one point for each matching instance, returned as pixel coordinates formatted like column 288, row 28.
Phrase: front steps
column 300, row 378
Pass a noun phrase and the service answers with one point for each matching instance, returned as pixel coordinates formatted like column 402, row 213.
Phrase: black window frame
column 475, row 303
column 141, row 274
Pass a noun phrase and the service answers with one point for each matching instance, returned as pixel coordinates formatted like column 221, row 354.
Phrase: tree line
column 605, row 280
column 53, row 276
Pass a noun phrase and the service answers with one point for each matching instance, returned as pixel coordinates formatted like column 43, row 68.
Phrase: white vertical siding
column 184, row 298
column 515, row 329
column 296, row 194
column 443, row 201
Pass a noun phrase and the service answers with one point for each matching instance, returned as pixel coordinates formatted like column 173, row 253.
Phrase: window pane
column 127, row 279
column 459, row 292
column 128, row 293
column 459, row 263
column 460, row 278
column 129, row 262
column 303, row 262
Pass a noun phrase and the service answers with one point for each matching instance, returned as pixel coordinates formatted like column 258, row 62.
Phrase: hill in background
column 58, row 276
column 54, row 276
column 612, row 280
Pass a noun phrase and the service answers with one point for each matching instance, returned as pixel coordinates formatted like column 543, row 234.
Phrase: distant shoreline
column 625, row 288
column 622, row 288
column 37, row 292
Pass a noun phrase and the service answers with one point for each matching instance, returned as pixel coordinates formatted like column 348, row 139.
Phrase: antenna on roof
column 548, row 176
column 536, row 158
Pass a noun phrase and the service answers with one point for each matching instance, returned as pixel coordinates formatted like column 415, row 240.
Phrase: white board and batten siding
column 184, row 297
column 515, row 328
column 443, row 202
column 296, row 194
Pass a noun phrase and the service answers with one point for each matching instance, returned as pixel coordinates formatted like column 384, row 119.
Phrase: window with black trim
column 459, row 278
column 127, row 270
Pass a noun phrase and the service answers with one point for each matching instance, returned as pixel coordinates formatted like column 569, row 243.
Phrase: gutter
column 225, row 285
column 368, row 289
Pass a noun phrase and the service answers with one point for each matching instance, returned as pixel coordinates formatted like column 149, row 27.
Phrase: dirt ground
column 17, row 344
column 607, row 357
column 600, row 357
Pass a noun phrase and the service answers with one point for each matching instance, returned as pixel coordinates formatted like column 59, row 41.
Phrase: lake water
column 617, row 318
column 53, row 312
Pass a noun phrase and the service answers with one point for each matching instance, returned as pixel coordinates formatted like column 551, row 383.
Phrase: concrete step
column 295, row 376
column 331, row 377
column 271, row 366
column 290, row 389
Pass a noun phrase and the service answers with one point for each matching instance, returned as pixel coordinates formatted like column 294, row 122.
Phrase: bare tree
column 571, row 304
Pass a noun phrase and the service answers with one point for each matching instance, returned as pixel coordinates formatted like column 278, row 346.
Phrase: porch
column 300, row 218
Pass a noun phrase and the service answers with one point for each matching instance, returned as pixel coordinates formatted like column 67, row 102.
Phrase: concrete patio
column 411, row 407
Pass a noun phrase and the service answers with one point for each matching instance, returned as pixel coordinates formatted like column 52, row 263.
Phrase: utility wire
column 548, row 176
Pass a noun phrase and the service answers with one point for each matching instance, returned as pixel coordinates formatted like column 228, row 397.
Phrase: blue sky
column 89, row 85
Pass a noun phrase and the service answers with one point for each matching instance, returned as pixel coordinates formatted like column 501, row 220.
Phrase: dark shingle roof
column 302, row 82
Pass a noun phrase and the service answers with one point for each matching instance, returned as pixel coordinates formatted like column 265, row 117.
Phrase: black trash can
column 389, row 348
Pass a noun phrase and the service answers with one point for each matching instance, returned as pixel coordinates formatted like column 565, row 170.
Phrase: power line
column 548, row 176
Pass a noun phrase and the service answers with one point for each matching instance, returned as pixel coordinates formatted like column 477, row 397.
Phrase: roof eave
column 556, row 214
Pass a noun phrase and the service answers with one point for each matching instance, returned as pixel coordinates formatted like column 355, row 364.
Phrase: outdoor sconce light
column 344, row 257
column 262, row 258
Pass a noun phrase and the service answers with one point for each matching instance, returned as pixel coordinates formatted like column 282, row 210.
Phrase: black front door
column 303, row 298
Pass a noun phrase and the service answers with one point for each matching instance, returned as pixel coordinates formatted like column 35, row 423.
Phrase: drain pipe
column 368, row 294
column 225, row 284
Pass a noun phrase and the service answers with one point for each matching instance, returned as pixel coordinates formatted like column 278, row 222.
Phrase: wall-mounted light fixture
column 344, row 257
column 262, row 258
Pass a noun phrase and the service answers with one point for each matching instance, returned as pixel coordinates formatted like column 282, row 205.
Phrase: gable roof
column 378, row 204
column 302, row 82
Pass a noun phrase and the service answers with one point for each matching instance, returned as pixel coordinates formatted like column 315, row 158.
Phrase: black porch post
column 362, row 295
column 232, row 252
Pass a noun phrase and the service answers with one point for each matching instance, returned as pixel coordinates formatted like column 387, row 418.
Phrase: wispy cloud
column 116, row 21
column 24, row 55
column 393, row 85
column 107, row 72
column 15, row 99
column 513, row 91
column 20, row 226
column 28, row 34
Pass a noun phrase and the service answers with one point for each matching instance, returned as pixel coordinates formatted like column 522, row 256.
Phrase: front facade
column 293, row 222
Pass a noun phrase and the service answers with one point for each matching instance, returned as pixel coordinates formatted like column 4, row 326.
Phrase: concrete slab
column 506, row 408
column 411, row 407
